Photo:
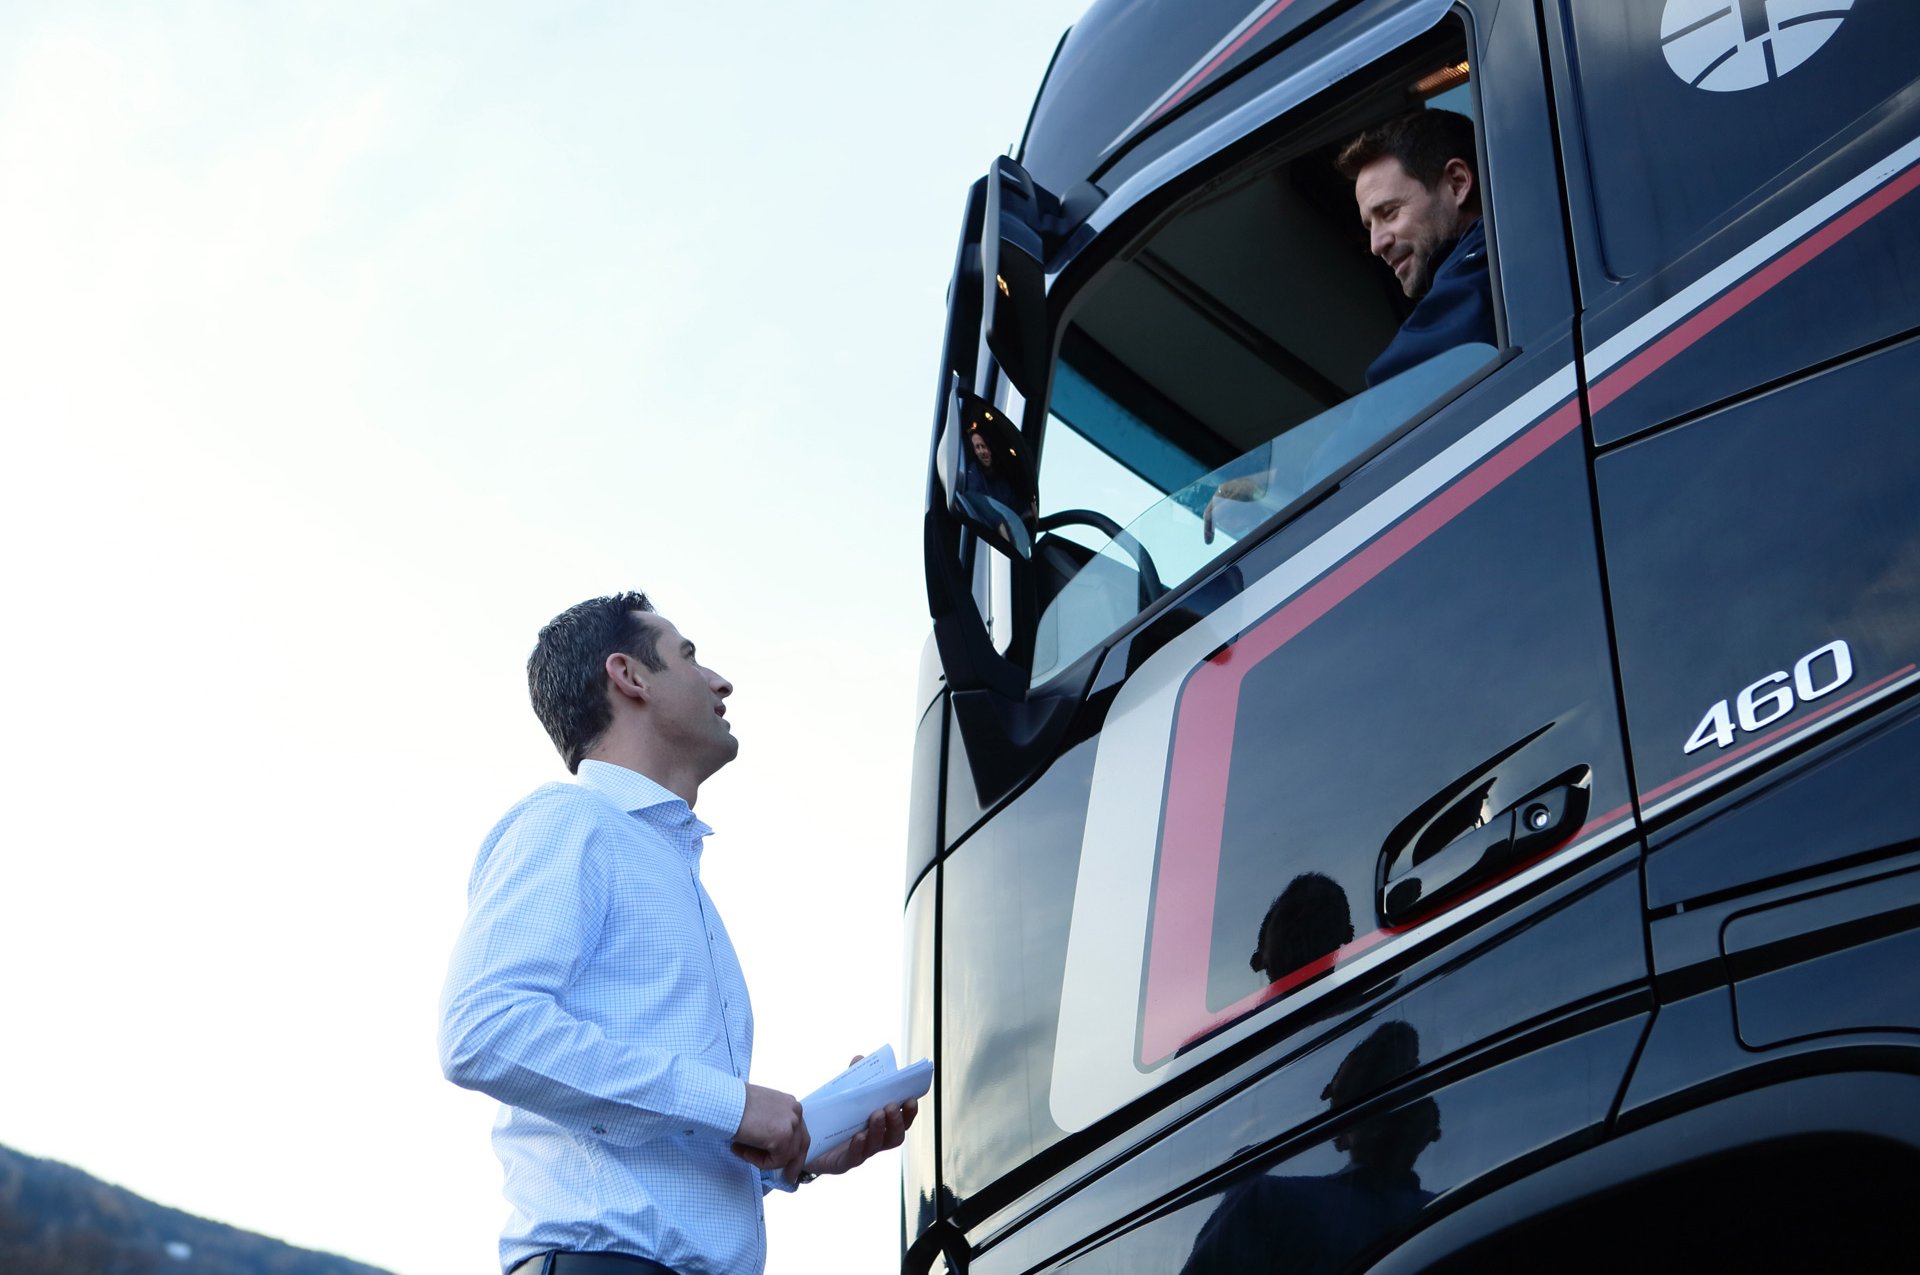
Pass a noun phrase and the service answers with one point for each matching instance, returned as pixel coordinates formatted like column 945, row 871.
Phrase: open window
column 1210, row 379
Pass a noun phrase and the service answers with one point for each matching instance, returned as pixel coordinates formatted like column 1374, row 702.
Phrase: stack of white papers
column 839, row 1109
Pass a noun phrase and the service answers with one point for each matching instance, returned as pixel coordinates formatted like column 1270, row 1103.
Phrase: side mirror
column 1013, row 275
column 988, row 476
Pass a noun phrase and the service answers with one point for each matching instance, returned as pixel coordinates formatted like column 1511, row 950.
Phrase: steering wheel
column 1150, row 586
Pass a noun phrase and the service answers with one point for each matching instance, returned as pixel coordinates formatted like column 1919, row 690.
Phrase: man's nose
column 1380, row 242
column 721, row 686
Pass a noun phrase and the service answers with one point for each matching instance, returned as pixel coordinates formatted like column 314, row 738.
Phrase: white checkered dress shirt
column 596, row 994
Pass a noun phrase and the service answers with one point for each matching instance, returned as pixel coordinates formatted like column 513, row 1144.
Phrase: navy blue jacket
column 1458, row 308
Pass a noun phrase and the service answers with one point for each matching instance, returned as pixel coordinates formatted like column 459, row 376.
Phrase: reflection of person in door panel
column 1384, row 1147
column 1418, row 189
column 1309, row 1225
column 1309, row 920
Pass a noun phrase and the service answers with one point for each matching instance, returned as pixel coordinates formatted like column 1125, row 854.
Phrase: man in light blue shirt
column 594, row 990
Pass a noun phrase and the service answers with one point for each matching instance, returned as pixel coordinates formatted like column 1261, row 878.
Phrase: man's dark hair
column 567, row 674
column 1423, row 141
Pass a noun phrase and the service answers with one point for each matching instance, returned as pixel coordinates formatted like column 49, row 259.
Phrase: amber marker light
column 1442, row 80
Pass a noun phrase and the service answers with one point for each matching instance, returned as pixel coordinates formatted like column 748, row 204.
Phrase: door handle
column 1417, row 877
column 1416, row 887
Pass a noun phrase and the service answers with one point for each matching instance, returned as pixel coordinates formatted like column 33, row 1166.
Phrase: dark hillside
column 56, row 1220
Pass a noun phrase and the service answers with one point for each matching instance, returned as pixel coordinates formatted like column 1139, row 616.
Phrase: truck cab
column 1447, row 817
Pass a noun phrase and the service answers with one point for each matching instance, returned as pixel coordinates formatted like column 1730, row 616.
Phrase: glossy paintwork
column 1817, row 966
column 1828, row 547
column 1694, row 1054
column 1839, row 805
column 1694, row 1192
column 1645, row 131
column 1008, row 895
column 1273, row 1094
column 1671, row 161
column 1348, row 1062
column 962, row 807
column 1122, row 57
column 1516, row 122
column 924, row 824
column 1338, row 1199
column 1328, row 756
column 919, row 1166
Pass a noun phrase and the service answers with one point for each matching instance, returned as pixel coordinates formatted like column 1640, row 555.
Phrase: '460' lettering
column 1772, row 697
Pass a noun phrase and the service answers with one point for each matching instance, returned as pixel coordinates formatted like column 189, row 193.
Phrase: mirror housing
column 1012, row 732
column 1013, row 274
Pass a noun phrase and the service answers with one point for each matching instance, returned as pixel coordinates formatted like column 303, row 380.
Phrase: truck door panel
column 1304, row 723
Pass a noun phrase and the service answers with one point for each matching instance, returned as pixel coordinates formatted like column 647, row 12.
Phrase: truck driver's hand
column 1232, row 489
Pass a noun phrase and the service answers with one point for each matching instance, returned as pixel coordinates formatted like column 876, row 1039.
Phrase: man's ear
column 627, row 676
column 1456, row 179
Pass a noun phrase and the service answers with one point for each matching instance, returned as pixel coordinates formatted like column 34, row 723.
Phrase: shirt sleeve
column 536, row 905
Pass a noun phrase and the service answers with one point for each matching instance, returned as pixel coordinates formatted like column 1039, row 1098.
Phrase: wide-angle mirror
column 989, row 475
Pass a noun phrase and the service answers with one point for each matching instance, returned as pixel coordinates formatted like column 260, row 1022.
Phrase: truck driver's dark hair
column 1423, row 141
column 567, row 675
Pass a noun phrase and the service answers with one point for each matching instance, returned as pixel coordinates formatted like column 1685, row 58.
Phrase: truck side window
column 1218, row 371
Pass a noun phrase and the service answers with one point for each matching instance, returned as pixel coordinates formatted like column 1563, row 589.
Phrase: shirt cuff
column 711, row 1100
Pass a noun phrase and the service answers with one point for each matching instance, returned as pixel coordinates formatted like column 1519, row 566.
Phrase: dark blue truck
column 1464, row 822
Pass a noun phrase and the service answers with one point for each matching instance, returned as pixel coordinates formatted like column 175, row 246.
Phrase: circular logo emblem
column 1727, row 45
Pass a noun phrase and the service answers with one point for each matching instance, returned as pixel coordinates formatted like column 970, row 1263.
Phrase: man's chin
column 719, row 752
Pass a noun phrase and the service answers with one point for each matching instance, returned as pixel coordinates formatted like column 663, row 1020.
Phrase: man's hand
column 772, row 1134
column 1232, row 489
column 886, row 1129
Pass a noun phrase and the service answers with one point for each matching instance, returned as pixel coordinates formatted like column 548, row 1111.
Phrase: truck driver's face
column 1407, row 222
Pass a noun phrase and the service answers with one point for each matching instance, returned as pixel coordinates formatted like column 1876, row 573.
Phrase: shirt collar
column 633, row 792
column 1472, row 239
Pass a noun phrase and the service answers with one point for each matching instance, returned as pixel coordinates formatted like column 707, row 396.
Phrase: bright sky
column 341, row 345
